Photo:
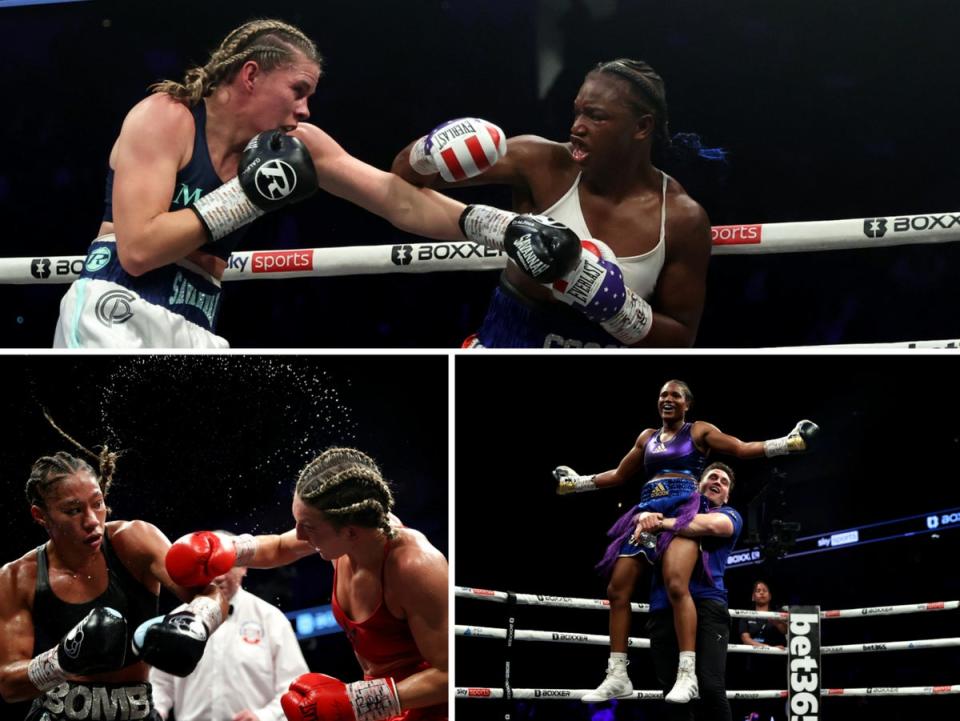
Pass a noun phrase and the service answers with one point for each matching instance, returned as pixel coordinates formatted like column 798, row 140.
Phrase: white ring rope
column 593, row 639
column 755, row 239
column 562, row 694
column 527, row 599
column 632, row 642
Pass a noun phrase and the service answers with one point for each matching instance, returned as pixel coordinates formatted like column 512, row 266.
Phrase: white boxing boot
column 685, row 689
column 617, row 683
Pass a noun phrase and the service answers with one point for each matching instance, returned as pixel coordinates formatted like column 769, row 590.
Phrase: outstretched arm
column 415, row 210
column 568, row 481
column 798, row 440
column 629, row 465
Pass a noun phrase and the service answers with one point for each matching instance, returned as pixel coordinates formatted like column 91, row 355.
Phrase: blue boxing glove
column 174, row 643
column 595, row 287
column 275, row 170
column 541, row 247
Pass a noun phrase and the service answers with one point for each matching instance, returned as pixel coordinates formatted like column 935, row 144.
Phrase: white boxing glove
column 595, row 287
column 569, row 482
column 459, row 149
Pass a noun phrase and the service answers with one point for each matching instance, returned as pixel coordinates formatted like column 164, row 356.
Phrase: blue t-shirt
column 706, row 582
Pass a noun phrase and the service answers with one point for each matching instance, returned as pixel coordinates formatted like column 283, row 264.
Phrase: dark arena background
column 827, row 110
column 870, row 517
column 212, row 442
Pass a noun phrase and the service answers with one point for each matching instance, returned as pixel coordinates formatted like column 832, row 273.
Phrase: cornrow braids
column 650, row 97
column 649, row 91
column 271, row 43
column 48, row 470
column 348, row 487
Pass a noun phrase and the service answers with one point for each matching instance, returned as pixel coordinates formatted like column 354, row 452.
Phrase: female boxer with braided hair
column 194, row 163
column 603, row 184
column 389, row 590
column 672, row 458
column 78, row 614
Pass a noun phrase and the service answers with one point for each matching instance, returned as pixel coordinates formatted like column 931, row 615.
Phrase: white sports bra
column 640, row 272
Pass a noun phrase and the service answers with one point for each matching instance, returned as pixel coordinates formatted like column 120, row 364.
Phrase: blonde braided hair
column 348, row 487
column 271, row 43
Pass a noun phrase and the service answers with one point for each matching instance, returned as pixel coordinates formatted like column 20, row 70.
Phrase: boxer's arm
column 629, row 466
column 682, row 284
column 149, row 151
column 703, row 524
column 709, row 436
column 414, row 210
column 16, row 630
column 149, row 546
column 422, row 594
column 274, row 550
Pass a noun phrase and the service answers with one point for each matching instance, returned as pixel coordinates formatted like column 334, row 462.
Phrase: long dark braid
column 48, row 470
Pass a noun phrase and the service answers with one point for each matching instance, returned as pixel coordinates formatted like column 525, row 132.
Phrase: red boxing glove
column 315, row 696
column 198, row 558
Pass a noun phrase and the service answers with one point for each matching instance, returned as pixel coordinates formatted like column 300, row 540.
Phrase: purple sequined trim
column 619, row 532
column 685, row 514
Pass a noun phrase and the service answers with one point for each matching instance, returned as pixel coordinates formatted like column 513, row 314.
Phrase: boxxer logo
column 40, row 267
column 401, row 254
column 875, row 227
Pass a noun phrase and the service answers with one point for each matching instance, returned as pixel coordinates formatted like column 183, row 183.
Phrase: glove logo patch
column 98, row 259
column 72, row 643
column 188, row 626
column 527, row 258
column 114, row 307
column 275, row 179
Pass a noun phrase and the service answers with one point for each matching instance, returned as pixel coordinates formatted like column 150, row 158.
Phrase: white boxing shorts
column 103, row 314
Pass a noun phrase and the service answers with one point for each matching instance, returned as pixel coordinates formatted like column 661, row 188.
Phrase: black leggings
column 713, row 634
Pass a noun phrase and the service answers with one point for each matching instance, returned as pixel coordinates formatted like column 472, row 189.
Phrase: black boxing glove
column 799, row 440
column 174, row 643
column 275, row 170
column 541, row 247
column 97, row 644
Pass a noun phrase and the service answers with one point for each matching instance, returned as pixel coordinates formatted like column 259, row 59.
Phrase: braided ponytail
column 270, row 43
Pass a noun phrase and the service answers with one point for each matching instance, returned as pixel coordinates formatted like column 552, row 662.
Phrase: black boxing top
column 53, row 617
column 193, row 180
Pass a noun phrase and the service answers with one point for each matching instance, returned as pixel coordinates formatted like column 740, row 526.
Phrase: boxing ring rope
column 443, row 256
column 564, row 694
column 432, row 257
column 525, row 599
column 600, row 640
column 528, row 599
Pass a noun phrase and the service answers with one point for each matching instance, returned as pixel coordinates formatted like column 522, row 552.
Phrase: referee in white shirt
column 247, row 665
